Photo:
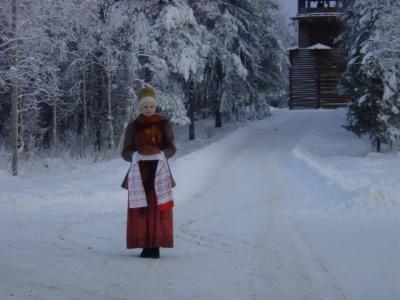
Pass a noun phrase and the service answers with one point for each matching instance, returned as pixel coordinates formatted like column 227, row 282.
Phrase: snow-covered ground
column 290, row 207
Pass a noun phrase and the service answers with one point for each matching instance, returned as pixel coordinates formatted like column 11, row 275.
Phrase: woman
column 148, row 143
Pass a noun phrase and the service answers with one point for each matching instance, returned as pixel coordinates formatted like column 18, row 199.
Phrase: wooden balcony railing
column 317, row 10
column 322, row 6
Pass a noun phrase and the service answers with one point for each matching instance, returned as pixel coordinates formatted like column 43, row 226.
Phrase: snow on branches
column 372, row 77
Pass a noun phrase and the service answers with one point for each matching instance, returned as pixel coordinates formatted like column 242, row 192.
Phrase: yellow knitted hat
column 147, row 95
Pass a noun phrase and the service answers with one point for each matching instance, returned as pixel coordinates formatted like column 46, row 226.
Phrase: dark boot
column 155, row 252
column 146, row 252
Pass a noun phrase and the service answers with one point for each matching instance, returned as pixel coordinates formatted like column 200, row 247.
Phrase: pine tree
column 245, row 58
column 369, row 78
column 80, row 64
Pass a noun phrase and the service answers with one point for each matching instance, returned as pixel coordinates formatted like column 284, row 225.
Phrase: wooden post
column 290, row 80
column 318, row 79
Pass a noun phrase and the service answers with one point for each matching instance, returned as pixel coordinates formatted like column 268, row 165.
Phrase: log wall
column 314, row 76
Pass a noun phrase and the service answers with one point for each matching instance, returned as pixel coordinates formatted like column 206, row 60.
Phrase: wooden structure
column 317, row 64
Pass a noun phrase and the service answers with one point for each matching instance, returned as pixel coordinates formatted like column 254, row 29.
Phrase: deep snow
column 290, row 207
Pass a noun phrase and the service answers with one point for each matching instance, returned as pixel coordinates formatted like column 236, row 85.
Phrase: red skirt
column 149, row 227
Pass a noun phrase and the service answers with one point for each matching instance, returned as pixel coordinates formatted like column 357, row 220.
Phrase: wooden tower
column 317, row 63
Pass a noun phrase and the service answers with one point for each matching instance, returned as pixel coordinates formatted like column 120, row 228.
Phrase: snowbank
column 351, row 164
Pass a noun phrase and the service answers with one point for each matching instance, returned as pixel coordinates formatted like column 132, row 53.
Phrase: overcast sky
column 290, row 6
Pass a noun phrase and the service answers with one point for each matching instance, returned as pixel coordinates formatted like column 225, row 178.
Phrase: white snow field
column 290, row 207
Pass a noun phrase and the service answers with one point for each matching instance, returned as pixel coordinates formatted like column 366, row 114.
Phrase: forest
column 70, row 70
column 76, row 67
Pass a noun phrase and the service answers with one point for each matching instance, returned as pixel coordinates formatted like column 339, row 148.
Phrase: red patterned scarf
column 149, row 135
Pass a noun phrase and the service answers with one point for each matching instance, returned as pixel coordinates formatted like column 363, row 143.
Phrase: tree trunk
column 98, row 133
column 191, row 110
column 378, row 144
column 128, row 116
column 14, row 94
column 21, row 129
column 218, row 120
column 217, row 101
column 110, row 117
column 217, row 110
column 14, row 128
column 55, row 138
column 236, row 111
column 85, row 132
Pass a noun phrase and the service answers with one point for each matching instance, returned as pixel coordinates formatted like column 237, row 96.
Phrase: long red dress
column 149, row 227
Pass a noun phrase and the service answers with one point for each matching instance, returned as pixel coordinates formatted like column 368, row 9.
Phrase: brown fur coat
column 148, row 135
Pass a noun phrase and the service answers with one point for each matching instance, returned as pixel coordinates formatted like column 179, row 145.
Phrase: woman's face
column 148, row 109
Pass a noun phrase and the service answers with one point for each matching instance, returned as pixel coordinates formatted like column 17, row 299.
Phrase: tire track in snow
column 309, row 267
column 290, row 257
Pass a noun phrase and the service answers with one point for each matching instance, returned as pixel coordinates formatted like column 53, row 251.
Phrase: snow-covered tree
column 167, row 49
column 384, row 49
column 26, row 71
column 245, row 57
column 287, row 32
column 80, row 63
column 371, row 75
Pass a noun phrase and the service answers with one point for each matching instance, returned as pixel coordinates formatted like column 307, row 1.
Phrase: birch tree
column 14, row 87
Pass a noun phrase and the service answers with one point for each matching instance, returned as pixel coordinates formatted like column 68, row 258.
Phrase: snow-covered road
column 252, row 221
